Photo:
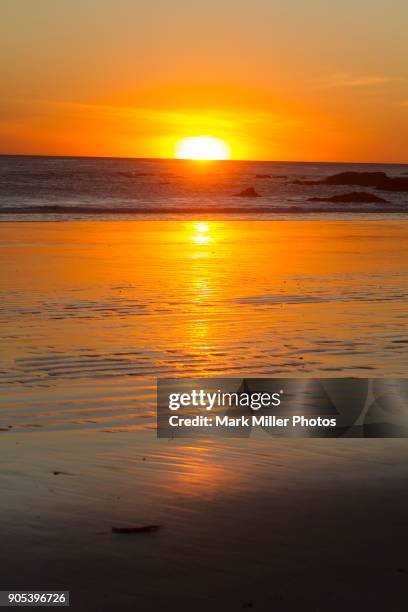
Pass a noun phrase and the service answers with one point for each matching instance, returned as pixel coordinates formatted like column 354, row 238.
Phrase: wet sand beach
column 93, row 312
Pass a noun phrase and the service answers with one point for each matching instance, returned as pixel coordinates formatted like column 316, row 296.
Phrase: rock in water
column 379, row 180
column 354, row 196
column 365, row 179
column 249, row 192
column 394, row 184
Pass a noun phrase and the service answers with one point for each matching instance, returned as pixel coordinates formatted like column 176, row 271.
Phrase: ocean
column 68, row 188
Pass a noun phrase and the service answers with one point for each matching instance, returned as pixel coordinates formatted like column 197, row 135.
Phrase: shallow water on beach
column 93, row 312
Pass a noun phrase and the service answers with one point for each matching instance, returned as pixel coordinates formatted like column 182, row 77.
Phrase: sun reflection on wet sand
column 202, row 235
column 94, row 312
column 198, row 467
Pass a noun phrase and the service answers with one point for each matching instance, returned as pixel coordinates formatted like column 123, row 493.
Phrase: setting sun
column 202, row 148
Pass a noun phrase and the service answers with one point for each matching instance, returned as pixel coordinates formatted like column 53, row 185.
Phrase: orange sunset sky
column 277, row 79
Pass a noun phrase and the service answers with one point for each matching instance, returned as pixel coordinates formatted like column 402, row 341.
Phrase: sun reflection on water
column 202, row 235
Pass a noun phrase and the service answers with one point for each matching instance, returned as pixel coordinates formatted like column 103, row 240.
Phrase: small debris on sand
column 142, row 529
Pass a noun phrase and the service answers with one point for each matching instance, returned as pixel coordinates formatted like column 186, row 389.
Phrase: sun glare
column 202, row 148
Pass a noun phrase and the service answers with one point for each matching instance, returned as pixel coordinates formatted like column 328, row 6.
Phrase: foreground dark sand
column 312, row 525
column 92, row 313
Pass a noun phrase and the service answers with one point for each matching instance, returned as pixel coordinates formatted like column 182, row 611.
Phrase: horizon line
column 254, row 161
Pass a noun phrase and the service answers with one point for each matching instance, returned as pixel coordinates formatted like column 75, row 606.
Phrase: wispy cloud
column 166, row 119
column 346, row 79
